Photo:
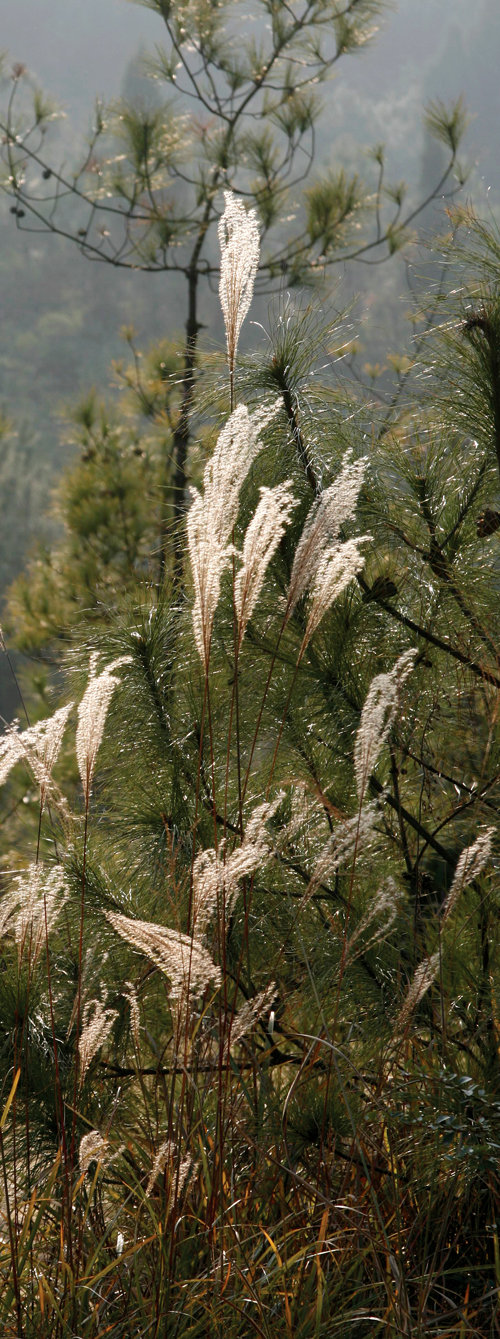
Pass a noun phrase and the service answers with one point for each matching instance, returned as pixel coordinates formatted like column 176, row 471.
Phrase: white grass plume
column 425, row 974
column 329, row 512
column 250, row 1013
column 377, row 717
column 338, row 566
column 469, row 866
column 92, row 713
column 379, row 916
column 212, row 515
column 10, row 751
column 165, row 1153
column 39, row 746
column 97, row 1024
column 94, row 1147
column 42, row 744
column 33, row 906
column 183, row 959
column 130, row 994
column 216, row 880
column 239, row 243
column 307, row 816
column 166, row 1157
column 349, row 839
column 262, row 537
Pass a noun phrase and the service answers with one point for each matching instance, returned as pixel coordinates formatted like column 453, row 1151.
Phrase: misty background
column 62, row 314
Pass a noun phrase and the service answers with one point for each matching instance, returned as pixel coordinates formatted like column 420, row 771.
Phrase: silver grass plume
column 216, row 880
column 350, row 838
column 307, row 815
column 239, row 243
column 338, row 566
column 39, row 746
column 8, row 907
column 212, row 515
column 256, row 833
column 262, row 537
column 250, row 1013
column 93, row 1148
column 179, row 1173
column 237, row 447
column 208, row 886
column 321, row 531
column 469, row 866
column 42, row 743
column 10, row 751
column 92, row 713
column 33, row 907
column 425, row 974
column 130, row 994
column 165, row 1153
column 377, row 717
column 97, row 1024
column 380, row 915
column 183, row 959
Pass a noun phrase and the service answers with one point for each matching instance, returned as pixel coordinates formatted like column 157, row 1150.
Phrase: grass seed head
column 239, row 247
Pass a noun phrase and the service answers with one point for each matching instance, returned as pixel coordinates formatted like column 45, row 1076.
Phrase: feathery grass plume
column 239, row 243
column 165, row 1155
column 237, row 447
column 349, row 838
column 208, row 883
column 307, row 815
column 8, row 907
column 181, row 958
column 93, row 1148
column 179, row 1179
column 380, row 914
column 130, row 994
column 335, row 506
column 338, row 566
column 250, row 1013
column 11, row 751
column 214, row 876
column 256, row 834
column 42, row 743
column 209, row 559
column 36, row 901
column 212, row 516
column 97, row 1024
column 377, row 717
column 469, row 866
column 262, row 537
column 38, row 745
column 92, row 713
column 425, row 974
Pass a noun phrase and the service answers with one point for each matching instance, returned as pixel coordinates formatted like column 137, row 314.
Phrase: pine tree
column 249, row 1005
column 239, row 111
column 263, row 1039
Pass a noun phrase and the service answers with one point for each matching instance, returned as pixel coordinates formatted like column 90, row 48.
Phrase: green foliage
column 331, row 206
column 349, row 1115
column 227, row 111
column 447, row 124
column 250, row 1058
